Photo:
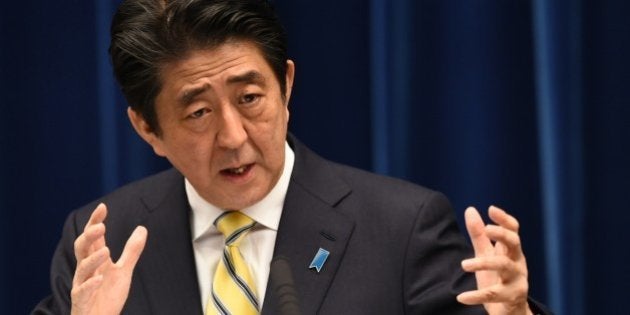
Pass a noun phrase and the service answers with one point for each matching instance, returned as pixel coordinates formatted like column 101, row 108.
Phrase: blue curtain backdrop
column 523, row 104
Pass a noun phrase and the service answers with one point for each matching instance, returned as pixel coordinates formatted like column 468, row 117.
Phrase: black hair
column 147, row 34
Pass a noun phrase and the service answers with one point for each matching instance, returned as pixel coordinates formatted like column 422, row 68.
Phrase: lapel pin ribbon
column 319, row 259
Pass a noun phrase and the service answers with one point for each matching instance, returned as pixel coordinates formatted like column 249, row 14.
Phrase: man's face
column 223, row 121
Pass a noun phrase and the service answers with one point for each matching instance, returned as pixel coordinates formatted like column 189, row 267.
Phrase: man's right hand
column 101, row 286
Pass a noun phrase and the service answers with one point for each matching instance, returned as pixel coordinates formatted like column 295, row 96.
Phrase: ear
column 145, row 132
column 289, row 80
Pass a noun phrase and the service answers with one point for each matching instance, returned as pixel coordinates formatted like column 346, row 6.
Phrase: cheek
column 269, row 136
column 280, row 118
column 187, row 151
column 270, row 124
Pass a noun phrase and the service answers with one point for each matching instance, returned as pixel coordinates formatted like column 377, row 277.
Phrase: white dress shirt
column 257, row 246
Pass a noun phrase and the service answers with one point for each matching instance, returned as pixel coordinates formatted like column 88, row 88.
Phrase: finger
column 82, row 293
column 507, row 238
column 491, row 294
column 502, row 218
column 83, row 245
column 514, row 296
column 133, row 249
column 501, row 264
column 475, row 227
column 97, row 216
column 88, row 266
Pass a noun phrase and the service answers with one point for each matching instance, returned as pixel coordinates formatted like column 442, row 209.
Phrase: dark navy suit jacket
column 395, row 247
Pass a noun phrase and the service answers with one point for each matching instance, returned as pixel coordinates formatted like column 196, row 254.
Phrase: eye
column 199, row 113
column 249, row 98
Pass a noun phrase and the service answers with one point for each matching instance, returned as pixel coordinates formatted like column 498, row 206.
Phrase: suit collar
column 310, row 221
column 316, row 176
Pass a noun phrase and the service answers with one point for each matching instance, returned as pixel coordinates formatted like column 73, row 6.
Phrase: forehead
column 230, row 58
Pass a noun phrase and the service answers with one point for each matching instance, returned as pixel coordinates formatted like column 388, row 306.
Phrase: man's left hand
column 499, row 264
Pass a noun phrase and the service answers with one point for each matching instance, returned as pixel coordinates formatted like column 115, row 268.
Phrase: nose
column 232, row 133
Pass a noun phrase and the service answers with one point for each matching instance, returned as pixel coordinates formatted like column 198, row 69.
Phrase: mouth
column 237, row 172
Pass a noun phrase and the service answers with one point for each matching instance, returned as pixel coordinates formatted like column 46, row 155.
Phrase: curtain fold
column 390, row 62
column 557, row 33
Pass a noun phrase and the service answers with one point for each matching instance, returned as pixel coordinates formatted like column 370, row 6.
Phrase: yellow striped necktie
column 233, row 287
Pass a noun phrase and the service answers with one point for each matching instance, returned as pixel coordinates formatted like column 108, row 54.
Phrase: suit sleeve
column 61, row 272
column 433, row 276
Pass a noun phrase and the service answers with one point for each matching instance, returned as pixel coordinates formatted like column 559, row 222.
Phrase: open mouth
column 237, row 171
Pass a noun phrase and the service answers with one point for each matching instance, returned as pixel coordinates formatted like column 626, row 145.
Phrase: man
column 208, row 83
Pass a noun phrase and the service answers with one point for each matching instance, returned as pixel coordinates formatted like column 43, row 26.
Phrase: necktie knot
column 233, row 225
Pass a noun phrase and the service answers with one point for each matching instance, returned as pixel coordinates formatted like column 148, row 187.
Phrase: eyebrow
column 251, row 77
column 189, row 95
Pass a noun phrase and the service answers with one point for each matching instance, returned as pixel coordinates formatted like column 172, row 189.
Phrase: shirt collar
column 266, row 212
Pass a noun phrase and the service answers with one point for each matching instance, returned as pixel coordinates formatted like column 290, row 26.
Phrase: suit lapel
column 167, row 267
column 309, row 222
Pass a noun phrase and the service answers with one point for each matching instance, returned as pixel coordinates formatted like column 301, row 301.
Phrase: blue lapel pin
column 319, row 259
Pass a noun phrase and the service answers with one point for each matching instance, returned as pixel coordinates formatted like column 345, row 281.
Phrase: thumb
column 133, row 248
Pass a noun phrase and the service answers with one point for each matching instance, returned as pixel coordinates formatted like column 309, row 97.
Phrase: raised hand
column 101, row 286
column 499, row 264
